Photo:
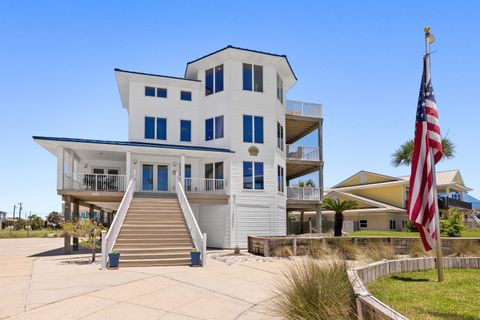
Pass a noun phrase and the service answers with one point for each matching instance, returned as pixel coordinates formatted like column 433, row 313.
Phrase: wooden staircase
column 154, row 233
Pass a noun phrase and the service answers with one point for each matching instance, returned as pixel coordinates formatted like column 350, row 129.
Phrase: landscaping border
column 369, row 307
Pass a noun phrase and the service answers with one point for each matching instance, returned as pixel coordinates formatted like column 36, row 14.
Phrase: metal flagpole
column 438, row 241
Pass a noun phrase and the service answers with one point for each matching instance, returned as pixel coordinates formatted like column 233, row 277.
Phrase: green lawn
column 475, row 233
column 42, row 233
column 418, row 295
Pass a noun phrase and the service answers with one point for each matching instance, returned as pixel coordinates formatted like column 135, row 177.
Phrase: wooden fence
column 265, row 246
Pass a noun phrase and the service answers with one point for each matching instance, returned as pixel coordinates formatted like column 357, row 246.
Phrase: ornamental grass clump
column 466, row 249
column 283, row 251
column 315, row 290
column 379, row 251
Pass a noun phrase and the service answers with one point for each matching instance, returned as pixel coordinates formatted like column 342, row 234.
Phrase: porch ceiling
column 298, row 168
column 297, row 127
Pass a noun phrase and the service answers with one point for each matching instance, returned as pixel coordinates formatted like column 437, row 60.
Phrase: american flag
column 426, row 153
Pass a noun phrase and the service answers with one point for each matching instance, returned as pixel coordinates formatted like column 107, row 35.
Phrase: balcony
column 94, row 182
column 303, row 193
column 304, row 109
column 201, row 185
column 303, row 153
column 447, row 202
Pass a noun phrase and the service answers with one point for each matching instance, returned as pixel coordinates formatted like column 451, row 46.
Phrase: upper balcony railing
column 303, row 153
column 202, row 185
column 447, row 202
column 94, row 182
column 306, row 109
column 303, row 193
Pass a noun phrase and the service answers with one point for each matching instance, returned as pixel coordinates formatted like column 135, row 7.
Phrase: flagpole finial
column 428, row 35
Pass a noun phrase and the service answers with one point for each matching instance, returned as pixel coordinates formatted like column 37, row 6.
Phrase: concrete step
column 154, row 255
column 170, row 248
column 154, row 238
column 153, row 221
column 155, row 262
column 153, row 224
column 149, row 233
column 131, row 244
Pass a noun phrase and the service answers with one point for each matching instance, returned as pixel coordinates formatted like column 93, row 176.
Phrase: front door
column 162, row 178
column 147, row 177
column 155, row 177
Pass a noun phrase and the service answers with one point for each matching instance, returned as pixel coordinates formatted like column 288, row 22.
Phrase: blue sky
column 360, row 59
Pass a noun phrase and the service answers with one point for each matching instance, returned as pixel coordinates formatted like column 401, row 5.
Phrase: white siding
column 212, row 222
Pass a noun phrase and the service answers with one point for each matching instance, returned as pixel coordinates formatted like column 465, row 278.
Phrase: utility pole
column 14, row 209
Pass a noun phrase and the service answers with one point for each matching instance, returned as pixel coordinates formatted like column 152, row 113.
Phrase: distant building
column 382, row 200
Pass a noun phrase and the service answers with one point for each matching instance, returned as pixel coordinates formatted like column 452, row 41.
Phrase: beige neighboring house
column 382, row 199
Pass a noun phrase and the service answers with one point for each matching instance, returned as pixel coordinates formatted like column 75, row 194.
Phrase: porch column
column 76, row 217
column 182, row 169
column 318, row 209
column 91, row 212
column 301, row 221
column 60, row 167
column 102, row 216
column 67, row 213
column 128, row 170
column 462, row 195
column 448, row 192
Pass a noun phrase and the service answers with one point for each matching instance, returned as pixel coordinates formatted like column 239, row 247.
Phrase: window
column 214, row 176
column 149, row 128
column 247, row 77
column 363, row 223
column 208, row 82
column 253, row 175
column 280, row 179
column 209, row 129
column 279, row 89
column 280, row 141
column 161, row 92
column 258, row 78
column 186, row 95
column 252, row 128
column 150, row 91
column 218, row 127
column 252, row 74
column 161, row 129
column 185, row 130
column 393, row 225
column 214, row 128
column 219, row 78
column 214, row 80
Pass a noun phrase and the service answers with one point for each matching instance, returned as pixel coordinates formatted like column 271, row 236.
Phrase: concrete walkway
column 38, row 282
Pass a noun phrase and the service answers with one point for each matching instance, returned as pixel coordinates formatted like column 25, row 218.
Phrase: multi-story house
column 382, row 200
column 208, row 153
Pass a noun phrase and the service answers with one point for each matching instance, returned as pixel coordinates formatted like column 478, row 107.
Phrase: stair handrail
column 199, row 239
column 108, row 241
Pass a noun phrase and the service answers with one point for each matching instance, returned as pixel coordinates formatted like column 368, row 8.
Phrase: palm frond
column 403, row 155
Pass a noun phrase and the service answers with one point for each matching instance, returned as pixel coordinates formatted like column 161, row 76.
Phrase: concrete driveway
column 38, row 282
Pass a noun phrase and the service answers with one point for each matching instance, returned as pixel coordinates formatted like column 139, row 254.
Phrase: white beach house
column 212, row 152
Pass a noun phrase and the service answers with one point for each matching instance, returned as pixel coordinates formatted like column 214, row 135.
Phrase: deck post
column 75, row 218
column 318, row 211
column 91, row 213
column 102, row 216
column 301, row 221
column 182, row 169
column 104, row 249
column 67, row 213
column 128, row 170
column 204, row 250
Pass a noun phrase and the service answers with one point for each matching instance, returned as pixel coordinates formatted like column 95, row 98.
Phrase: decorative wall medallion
column 253, row 151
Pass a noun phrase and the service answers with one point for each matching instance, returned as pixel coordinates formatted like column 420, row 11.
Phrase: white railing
column 199, row 239
column 204, row 185
column 303, row 193
column 94, row 182
column 303, row 153
column 108, row 240
column 306, row 109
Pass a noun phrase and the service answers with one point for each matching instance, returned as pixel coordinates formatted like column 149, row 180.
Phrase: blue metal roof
column 135, row 144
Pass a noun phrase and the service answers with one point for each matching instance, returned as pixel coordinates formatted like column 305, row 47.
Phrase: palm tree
column 338, row 206
column 403, row 155
column 308, row 183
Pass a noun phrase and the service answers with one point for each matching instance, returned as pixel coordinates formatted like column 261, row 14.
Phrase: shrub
column 87, row 231
column 410, row 226
column 282, row 251
column 416, row 250
column 453, row 226
column 318, row 250
column 379, row 251
column 346, row 249
column 466, row 249
column 315, row 290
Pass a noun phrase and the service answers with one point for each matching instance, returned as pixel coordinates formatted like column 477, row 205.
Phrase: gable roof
column 367, row 201
column 355, row 180
column 448, row 177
